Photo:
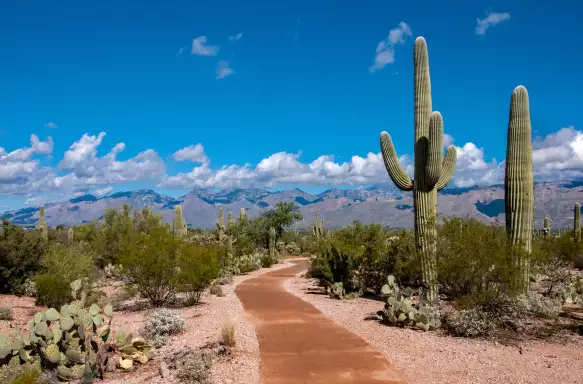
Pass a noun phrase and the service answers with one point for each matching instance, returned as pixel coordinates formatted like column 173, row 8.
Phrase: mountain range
column 383, row 204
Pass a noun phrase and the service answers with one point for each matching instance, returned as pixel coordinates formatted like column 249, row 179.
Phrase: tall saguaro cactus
column 42, row 225
column 179, row 226
column 221, row 224
column 70, row 235
column 242, row 214
column 547, row 227
column 432, row 170
column 519, row 184
column 272, row 243
column 230, row 221
column 577, row 222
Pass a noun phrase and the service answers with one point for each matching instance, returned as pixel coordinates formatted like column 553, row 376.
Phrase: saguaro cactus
column 221, row 224
column 179, row 226
column 432, row 170
column 318, row 227
column 41, row 219
column 272, row 243
column 242, row 214
column 230, row 221
column 70, row 235
column 519, row 185
column 577, row 222
column 547, row 227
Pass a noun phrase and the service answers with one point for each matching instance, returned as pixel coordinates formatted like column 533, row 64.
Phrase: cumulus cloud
column 236, row 37
column 385, row 52
column 103, row 191
column 194, row 153
column 201, row 48
column 490, row 20
column 223, row 70
column 18, row 167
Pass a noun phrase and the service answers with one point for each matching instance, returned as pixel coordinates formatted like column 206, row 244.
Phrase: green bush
column 151, row 263
column 199, row 266
column 473, row 262
column 20, row 254
column 52, row 291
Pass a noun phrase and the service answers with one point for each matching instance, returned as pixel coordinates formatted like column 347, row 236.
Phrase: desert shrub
column 216, row 290
column 19, row 374
column 52, row 291
column 151, row 263
column 161, row 324
column 248, row 263
column 469, row 323
column 28, row 287
column 293, row 249
column 198, row 267
column 196, row 368
column 473, row 261
column 61, row 265
column 20, row 254
column 266, row 260
column 5, row 313
column 224, row 279
column 228, row 335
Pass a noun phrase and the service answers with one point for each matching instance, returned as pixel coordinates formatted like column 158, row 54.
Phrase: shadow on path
column 298, row 344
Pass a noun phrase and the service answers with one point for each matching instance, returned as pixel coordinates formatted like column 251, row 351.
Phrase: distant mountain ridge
column 383, row 204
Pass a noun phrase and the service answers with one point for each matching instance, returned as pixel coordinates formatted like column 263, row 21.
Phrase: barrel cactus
column 577, row 222
column 519, row 185
column 432, row 170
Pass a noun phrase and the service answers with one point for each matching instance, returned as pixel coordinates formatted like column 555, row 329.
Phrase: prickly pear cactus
column 74, row 342
column 432, row 170
column 400, row 310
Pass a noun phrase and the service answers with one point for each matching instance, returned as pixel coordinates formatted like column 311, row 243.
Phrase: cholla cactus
column 432, row 170
column 519, row 185
column 547, row 228
column 70, row 235
column 179, row 226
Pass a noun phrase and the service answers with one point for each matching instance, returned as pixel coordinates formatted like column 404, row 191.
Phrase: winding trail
column 298, row 344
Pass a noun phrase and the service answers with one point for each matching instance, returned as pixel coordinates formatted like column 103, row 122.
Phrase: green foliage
column 20, row 254
column 151, row 263
column 199, row 266
column 23, row 374
column 51, row 291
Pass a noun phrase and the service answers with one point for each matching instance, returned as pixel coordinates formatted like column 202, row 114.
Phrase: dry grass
column 228, row 335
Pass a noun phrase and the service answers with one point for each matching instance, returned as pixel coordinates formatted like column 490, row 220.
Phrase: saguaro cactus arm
column 447, row 168
column 394, row 169
column 434, row 149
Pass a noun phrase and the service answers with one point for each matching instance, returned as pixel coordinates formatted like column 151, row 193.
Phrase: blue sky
column 275, row 85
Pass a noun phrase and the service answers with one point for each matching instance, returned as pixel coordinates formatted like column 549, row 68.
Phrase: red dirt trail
column 298, row 344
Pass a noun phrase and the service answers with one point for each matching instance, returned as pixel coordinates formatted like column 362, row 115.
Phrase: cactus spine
column 519, row 185
column 272, row 243
column 547, row 228
column 70, row 235
column 577, row 222
column 179, row 226
column 432, row 170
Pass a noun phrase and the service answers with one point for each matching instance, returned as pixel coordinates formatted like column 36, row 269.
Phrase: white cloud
column 103, row 191
column 17, row 168
column 236, row 37
column 223, row 70
column 490, row 20
column 385, row 52
column 200, row 47
column 50, row 124
column 194, row 153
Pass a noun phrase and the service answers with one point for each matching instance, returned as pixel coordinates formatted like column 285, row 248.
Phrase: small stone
column 164, row 370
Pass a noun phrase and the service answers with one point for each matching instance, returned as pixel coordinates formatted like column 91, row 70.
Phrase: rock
column 164, row 370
